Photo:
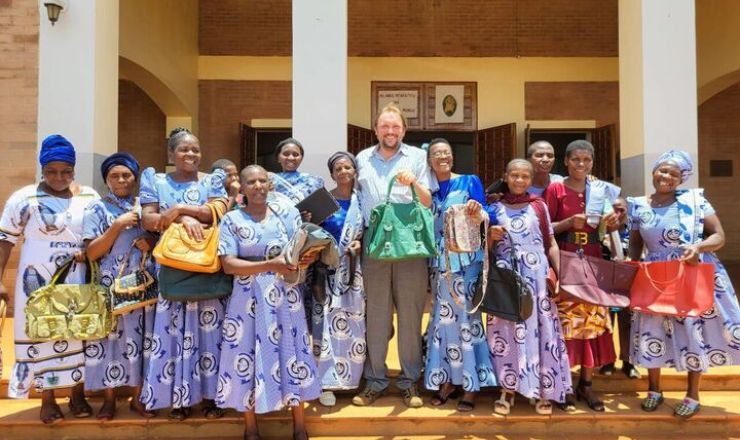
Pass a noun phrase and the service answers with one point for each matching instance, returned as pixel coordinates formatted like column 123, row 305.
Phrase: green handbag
column 70, row 311
column 181, row 285
column 399, row 231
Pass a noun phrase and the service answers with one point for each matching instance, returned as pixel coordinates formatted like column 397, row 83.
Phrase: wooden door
column 494, row 148
column 605, row 158
column 359, row 138
column 249, row 145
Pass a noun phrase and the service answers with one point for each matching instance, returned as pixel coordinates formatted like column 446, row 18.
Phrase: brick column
column 657, row 86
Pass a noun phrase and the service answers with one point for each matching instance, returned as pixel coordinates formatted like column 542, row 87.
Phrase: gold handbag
column 177, row 250
column 69, row 311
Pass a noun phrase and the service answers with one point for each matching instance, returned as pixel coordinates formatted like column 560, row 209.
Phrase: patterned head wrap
column 681, row 159
column 56, row 148
column 115, row 159
column 341, row 155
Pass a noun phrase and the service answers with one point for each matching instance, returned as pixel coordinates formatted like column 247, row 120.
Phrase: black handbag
column 181, row 285
column 507, row 295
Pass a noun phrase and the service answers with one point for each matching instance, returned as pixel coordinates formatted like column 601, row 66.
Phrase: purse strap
column 448, row 268
column 666, row 283
column 3, row 310
column 484, row 284
column 127, row 258
column 390, row 188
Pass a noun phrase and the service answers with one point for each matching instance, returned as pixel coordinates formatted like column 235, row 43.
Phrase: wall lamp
column 54, row 8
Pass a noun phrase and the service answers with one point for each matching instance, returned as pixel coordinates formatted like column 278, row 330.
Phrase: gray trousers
column 403, row 284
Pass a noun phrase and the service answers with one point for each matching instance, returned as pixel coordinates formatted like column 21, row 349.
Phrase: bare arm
column 715, row 240
column 635, row 246
column 101, row 245
column 236, row 266
column 553, row 254
column 425, row 195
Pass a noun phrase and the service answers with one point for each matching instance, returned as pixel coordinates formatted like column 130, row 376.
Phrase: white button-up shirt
column 375, row 172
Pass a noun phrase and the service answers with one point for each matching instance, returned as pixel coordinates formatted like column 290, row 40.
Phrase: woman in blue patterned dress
column 529, row 356
column 457, row 353
column 48, row 217
column 678, row 224
column 290, row 182
column 339, row 323
column 266, row 361
column 110, row 229
column 186, row 341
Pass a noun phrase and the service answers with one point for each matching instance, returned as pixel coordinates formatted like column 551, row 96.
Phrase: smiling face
column 389, row 130
column 579, row 163
column 666, row 178
column 543, row 159
column 290, row 157
column 255, row 185
column 343, row 172
column 58, row 175
column 121, row 181
column 441, row 159
column 186, row 155
column 518, row 178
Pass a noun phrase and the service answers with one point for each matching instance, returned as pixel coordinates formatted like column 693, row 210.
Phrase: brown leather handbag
column 593, row 280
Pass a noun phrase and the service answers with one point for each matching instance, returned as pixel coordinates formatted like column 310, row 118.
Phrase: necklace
column 659, row 204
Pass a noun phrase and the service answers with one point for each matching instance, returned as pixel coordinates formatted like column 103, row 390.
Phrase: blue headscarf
column 682, row 159
column 115, row 159
column 56, row 148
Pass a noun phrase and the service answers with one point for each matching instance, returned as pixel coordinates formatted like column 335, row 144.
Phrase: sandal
column 630, row 371
column 569, row 405
column 583, row 391
column 653, row 400
column 439, row 399
column 300, row 435
column 687, row 409
column 251, row 436
column 502, row 406
column 141, row 410
column 53, row 417
column 465, row 405
column 80, row 410
column 543, row 407
column 106, row 413
column 179, row 414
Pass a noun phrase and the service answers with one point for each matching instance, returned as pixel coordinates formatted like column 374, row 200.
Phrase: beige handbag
column 464, row 234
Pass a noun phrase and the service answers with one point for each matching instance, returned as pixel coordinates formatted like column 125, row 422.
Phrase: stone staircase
column 390, row 419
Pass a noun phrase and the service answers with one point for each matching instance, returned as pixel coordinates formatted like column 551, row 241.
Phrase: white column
column 320, row 81
column 657, row 87
column 78, row 82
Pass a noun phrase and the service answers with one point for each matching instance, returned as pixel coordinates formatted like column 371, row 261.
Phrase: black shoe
column 607, row 369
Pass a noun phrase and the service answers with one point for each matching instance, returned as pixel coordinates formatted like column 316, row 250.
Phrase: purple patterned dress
column 529, row 357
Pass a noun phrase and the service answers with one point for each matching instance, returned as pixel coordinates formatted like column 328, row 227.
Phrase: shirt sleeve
column 475, row 190
column 216, row 187
column 14, row 218
column 423, row 174
column 95, row 222
column 148, row 188
column 551, row 200
column 227, row 240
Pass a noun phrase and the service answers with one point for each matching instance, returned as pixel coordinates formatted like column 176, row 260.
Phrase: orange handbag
column 177, row 250
column 673, row 288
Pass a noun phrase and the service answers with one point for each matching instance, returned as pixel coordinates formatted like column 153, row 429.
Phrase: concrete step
column 388, row 417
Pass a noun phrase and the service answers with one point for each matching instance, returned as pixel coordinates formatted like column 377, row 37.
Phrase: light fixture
column 54, row 8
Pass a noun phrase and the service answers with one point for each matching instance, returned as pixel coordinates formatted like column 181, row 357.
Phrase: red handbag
column 673, row 288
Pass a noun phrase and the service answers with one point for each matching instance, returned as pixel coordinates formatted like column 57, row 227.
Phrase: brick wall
column 568, row 101
column 226, row 104
column 141, row 126
column 472, row 28
column 719, row 138
column 18, row 101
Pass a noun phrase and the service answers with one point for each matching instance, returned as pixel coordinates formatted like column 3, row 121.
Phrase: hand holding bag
column 673, row 288
column 400, row 231
column 69, row 311
column 134, row 290
column 177, row 250
column 506, row 294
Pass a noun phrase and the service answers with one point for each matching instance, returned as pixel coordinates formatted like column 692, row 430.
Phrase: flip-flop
column 438, row 399
column 53, row 418
column 80, row 410
column 465, row 406
column 140, row 410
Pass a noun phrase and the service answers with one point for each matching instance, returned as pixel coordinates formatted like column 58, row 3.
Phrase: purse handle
column 3, row 310
column 448, row 267
column 390, row 188
column 142, row 262
column 63, row 270
column 655, row 283
column 514, row 267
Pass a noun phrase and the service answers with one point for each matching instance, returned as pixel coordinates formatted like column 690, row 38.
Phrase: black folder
column 320, row 203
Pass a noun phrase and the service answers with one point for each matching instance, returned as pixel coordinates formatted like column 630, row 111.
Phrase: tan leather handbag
column 177, row 250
